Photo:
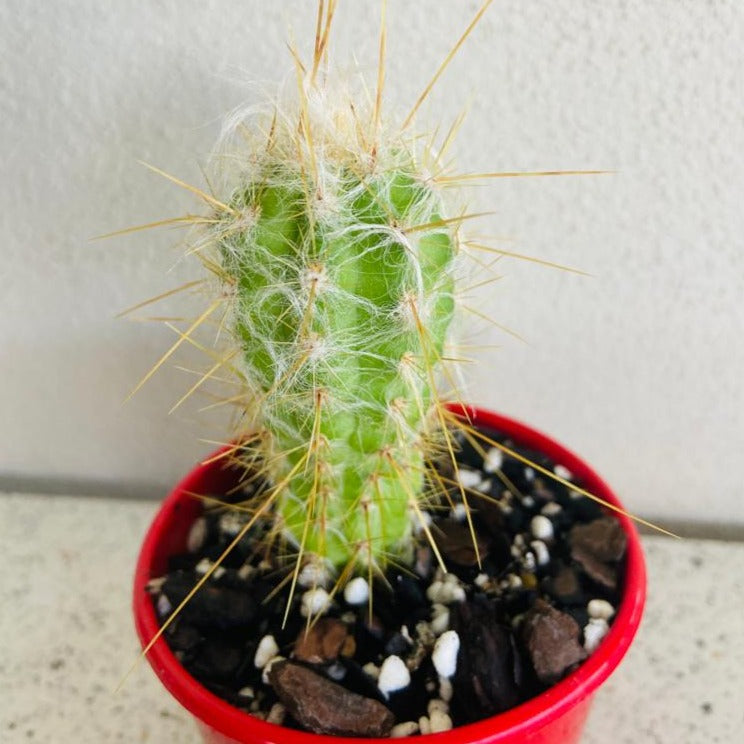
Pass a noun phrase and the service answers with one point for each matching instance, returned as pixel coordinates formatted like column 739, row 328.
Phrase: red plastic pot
column 554, row 717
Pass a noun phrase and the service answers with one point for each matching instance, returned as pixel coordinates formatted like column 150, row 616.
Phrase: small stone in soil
column 484, row 681
column 325, row 707
column 603, row 538
column 444, row 655
column 552, row 642
column 212, row 606
column 267, row 650
column 455, row 542
column 600, row 609
column 324, row 641
column 594, row 631
column 565, row 586
column 356, row 592
column 394, row 675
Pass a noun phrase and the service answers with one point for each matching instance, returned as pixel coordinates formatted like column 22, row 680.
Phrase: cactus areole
column 338, row 255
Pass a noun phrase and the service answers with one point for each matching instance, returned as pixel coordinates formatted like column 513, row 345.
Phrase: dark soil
column 540, row 602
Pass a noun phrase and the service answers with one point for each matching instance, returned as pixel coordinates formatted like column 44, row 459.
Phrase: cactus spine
column 336, row 250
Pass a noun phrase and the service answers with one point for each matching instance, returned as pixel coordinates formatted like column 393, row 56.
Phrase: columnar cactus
column 339, row 257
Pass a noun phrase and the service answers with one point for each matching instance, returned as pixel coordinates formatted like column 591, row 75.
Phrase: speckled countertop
column 66, row 637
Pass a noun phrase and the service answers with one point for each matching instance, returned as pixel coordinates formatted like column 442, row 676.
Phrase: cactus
column 339, row 260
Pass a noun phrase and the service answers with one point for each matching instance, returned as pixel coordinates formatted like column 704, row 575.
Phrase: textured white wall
column 638, row 368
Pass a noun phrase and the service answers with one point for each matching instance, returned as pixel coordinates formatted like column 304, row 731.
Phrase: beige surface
column 637, row 368
column 66, row 637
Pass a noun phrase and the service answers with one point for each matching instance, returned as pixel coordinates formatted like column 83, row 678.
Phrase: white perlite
column 440, row 618
column 437, row 704
column 356, row 592
column 197, row 535
column 424, row 725
column 600, row 609
column 468, row 478
column 460, row 512
column 542, row 554
column 313, row 575
column 541, row 527
column 314, row 602
column 276, row 714
column 446, row 590
column 594, row 631
column 563, row 472
column 444, row 655
column 407, row 728
column 267, row 649
column 394, row 675
column 445, row 689
column 439, row 721
column 494, row 460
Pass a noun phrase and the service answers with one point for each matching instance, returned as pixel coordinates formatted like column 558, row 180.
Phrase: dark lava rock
column 552, row 641
column 212, row 606
column 216, row 660
column 486, row 680
column 603, row 538
column 565, row 586
column 455, row 542
column 183, row 637
column 324, row 707
column 601, row 573
column 324, row 641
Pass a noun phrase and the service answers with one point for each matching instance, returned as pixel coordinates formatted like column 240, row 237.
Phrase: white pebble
column 460, row 512
column 468, row 478
column 437, row 704
column 394, row 675
column 371, row 669
column 563, row 472
column 528, row 561
column 205, row 565
column 551, row 509
column 600, row 609
column 439, row 721
column 230, row 524
column 451, row 579
column 314, row 602
column 445, row 689
column 424, row 725
column 247, row 692
column 197, row 535
column 407, row 728
column 440, row 619
column 540, row 549
column 164, row 606
column 528, row 502
column 513, row 581
column 276, row 714
column 541, row 527
column 246, row 571
column 481, row 580
column 529, row 474
column 356, row 592
column 594, row 631
column 267, row 668
column 154, row 586
column 444, row 655
column 267, row 649
column 313, row 574
column 420, row 519
column 494, row 460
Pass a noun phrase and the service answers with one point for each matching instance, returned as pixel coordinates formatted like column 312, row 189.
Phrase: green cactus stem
column 340, row 261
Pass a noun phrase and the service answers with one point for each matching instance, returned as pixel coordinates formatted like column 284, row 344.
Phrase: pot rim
column 526, row 717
